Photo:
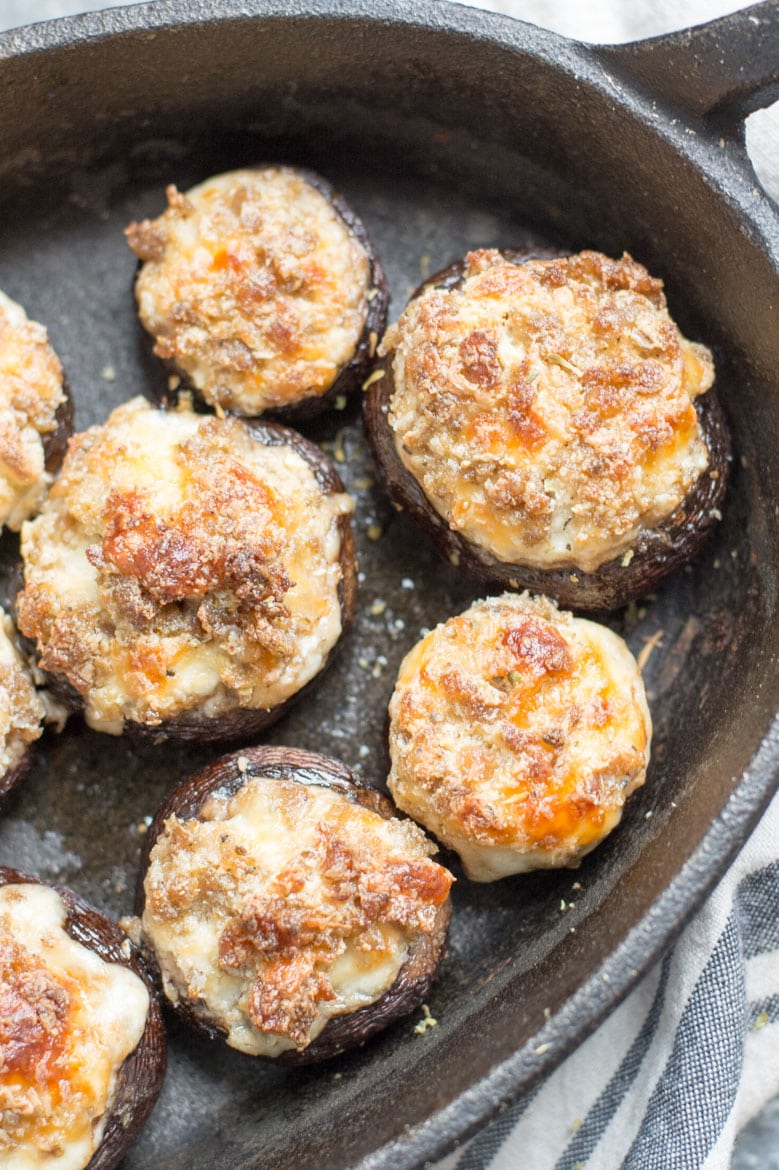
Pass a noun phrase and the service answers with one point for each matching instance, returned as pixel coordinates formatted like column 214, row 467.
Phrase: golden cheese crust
column 22, row 710
column 181, row 565
column 284, row 906
column 31, row 391
column 546, row 408
column 517, row 732
column 67, row 1023
column 34, row 1024
column 254, row 288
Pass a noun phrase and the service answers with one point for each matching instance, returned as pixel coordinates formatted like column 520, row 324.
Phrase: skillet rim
column 724, row 164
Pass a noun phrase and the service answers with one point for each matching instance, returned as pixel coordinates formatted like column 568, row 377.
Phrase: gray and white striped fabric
column 692, row 1055
column 689, row 1057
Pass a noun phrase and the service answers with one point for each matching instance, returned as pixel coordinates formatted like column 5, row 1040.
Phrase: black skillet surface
column 447, row 129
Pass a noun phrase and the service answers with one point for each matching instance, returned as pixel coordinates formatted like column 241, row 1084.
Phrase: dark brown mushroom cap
column 140, row 1078
column 351, row 376
column 55, row 442
column 15, row 775
column 242, row 722
column 656, row 552
column 226, row 776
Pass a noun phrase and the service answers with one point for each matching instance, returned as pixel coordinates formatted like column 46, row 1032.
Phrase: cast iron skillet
column 446, row 128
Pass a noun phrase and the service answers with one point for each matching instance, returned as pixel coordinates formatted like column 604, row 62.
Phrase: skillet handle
column 720, row 71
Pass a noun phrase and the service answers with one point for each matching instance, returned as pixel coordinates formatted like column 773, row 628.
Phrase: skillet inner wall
column 428, row 189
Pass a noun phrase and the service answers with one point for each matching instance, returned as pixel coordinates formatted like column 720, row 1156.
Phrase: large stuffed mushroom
column 517, row 733
column 548, row 425
column 22, row 711
column 262, row 291
column 290, row 911
column 36, row 414
column 189, row 575
column 82, row 1043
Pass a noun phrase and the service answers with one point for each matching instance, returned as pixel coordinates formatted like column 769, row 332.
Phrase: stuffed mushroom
column 82, row 1044
column 549, row 426
column 517, row 733
column 35, row 414
column 261, row 290
column 22, row 711
column 290, row 911
column 189, row 574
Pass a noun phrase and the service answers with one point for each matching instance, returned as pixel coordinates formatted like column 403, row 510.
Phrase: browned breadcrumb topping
column 281, row 928
column 253, row 286
column 35, row 1074
column 220, row 549
column 209, row 556
column 31, row 390
column 516, row 725
column 546, row 408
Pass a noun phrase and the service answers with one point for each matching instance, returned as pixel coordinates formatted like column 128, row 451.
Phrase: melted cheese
column 546, row 409
column 284, row 861
column 517, row 732
column 31, row 390
column 22, row 710
column 70, row 1020
column 254, row 286
column 179, row 565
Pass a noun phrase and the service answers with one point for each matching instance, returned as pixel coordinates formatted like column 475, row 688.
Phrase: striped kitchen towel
column 687, row 1059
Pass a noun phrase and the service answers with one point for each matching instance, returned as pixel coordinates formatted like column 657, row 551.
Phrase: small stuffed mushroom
column 517, row 732
column 547, row 424
column 82, row 1043
column 189, row 574
column 36, row 414
column 22, row 711
column 291, row 912
column 262, row 291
